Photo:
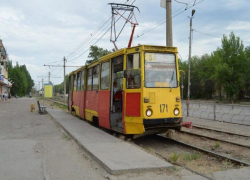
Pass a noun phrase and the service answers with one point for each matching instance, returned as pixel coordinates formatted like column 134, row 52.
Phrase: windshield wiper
column 171, row 80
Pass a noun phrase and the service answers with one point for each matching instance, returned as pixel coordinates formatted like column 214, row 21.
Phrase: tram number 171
column 163, row 108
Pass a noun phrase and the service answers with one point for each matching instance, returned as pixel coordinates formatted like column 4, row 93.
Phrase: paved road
column 32, row 147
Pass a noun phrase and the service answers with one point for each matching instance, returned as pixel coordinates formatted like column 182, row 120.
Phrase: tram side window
column 82, row 80
column 105, row 75
column 89, row 80
column 75, row 82
column 133, row 71
column 78, row 81
column 96, row 77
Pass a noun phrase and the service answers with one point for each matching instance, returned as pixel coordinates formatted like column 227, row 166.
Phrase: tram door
column 116, row 94
column 132, row 98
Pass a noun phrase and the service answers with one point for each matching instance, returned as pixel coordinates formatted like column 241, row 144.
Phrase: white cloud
column 41, row 32
column 239, row 25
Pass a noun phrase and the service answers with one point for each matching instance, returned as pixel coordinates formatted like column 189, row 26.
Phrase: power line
column 83, row 47
column 181, row 3
column 98, row 38
column 160, row 23
column 98, row 29
column 206, row 34
column 213, row 35
column 89, row 38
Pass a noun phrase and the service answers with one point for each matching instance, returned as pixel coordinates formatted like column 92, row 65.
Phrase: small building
column 5, row 83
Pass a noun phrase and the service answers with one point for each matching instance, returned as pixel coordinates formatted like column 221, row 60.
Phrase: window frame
column 101, row 76
column 79, row 75
column 132, row 69
column 82, row 80
column 98, row 76
column 175, row 68
column 90, row 69
column 74, row 79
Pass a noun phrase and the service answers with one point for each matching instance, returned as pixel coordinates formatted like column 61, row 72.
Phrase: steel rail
column 58, row 102
column 236, row 161
column 178, row 164
column 216, row 139
column 216, row 130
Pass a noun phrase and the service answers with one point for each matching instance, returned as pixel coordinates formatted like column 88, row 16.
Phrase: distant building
column 5, row 83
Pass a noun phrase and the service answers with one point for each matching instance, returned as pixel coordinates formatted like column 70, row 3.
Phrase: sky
column 36, row 32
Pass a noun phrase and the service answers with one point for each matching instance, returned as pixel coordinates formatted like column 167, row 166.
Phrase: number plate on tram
column 163, row 108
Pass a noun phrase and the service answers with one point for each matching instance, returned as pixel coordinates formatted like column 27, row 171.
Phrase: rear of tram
column 152, row 90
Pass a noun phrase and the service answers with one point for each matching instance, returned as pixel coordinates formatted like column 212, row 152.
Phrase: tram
column 133, row 91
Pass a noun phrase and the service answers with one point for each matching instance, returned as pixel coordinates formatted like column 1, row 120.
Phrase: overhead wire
column 164, row 19
column 98, row 38
column 182, row 3
column 160, row 22
column 88, row 39
column 57, row 72
column 212, row 35
column 98, row 29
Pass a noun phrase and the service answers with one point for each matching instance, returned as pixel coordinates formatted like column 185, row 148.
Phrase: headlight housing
column 149, row 112
column 176, row 111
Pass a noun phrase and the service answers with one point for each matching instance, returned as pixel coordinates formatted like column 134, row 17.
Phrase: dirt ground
column 226, row 149
column 187, row 157
column 219, row 135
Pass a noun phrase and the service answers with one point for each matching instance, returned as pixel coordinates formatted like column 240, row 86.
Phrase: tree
column 247, row 74
column 96, row 53
column 231, row 65
column 60, row 87
column 22, row 80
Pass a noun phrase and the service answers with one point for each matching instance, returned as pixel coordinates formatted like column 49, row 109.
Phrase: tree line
column 22, row 81
column 60, row 87
column 225, row 72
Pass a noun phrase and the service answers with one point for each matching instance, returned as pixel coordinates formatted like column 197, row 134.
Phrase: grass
column 217, row 144
column 66, row 136
column 174, row 157
column 192, row 156
column 228, row 164
column 59, row 106
column 173, row 169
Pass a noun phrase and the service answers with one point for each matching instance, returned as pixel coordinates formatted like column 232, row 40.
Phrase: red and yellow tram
column 132, row 91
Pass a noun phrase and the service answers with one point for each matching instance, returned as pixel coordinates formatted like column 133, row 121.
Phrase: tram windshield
column 160, row 70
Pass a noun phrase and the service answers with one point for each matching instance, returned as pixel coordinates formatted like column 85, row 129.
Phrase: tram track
column 204, row 166
column 220, row 131
column 215, row 139
column 58, row 102
column 236, row 161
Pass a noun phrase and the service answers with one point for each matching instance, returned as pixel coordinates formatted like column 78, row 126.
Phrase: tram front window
column 160, row 70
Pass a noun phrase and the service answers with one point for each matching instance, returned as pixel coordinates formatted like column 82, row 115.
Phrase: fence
column 238, row 114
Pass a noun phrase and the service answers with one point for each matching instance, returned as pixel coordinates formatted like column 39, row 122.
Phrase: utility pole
column 64, row 74
column 49, row 78
column 43, row 91
column 189, row 61
column 64, row 67
column 169, row 35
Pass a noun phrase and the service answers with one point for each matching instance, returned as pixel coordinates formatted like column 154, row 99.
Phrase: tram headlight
column 176, row 111
column 149, row 112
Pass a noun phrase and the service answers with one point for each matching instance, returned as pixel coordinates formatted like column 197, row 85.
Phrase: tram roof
column 124, row 50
